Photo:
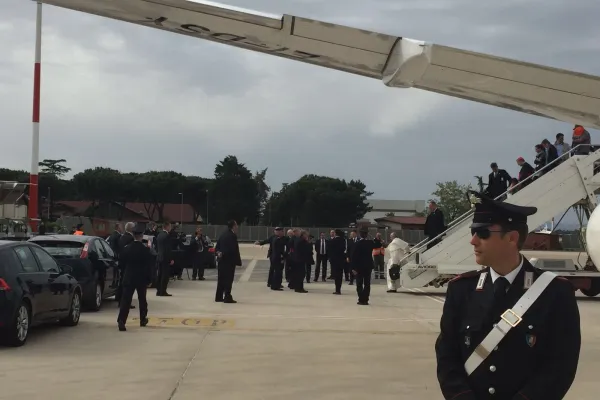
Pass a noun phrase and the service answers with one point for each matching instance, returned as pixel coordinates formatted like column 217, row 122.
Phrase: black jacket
column 361, row 259
column 350, row 247
column 303, row 252
column 277, row 249
column 337, row 250
column 317, row 245
column 138, row 264
column 525, row 172
column 229, row 248
column 113, row 242
column 164, row 247
column 434, row 223
column 269, row 240
column 537, row 359
column 498, row 184
column 124, row 240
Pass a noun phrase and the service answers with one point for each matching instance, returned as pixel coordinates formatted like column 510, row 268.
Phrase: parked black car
column 34, row 289
column 93, row 263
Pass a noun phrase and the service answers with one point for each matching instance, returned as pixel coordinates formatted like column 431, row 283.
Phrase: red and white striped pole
column 32, row 210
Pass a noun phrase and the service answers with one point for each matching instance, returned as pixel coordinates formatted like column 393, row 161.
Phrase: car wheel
column 18, row 332
column 74, row 312
column 93, row 299
column 98, row 297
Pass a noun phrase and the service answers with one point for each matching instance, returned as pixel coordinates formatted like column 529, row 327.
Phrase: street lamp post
column 206, row 207
column 181, row 211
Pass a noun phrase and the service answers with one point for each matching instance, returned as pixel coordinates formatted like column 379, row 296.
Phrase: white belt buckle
column 511, row 318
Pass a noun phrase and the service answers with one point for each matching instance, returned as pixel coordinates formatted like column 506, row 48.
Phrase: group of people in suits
column 294, row 253
column 138, row 265
column 507, row 331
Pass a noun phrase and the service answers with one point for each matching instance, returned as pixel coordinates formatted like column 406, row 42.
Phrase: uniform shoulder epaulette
column 469, row 274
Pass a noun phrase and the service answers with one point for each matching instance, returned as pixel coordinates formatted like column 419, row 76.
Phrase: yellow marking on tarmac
column 210, row 323
column 338, row 331
column 230, row 326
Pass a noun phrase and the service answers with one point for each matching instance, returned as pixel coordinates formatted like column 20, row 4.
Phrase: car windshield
column 61, row 249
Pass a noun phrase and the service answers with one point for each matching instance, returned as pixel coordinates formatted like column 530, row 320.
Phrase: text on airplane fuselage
column 200, row 31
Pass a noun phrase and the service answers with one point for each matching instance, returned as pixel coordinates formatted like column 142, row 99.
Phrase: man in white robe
column 396, row 250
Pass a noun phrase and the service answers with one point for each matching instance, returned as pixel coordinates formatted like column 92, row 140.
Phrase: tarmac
column 270, row 345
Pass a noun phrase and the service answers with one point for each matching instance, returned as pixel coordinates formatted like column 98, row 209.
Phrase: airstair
column 567, row 181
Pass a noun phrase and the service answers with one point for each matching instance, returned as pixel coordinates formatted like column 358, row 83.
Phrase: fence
column 246, row 233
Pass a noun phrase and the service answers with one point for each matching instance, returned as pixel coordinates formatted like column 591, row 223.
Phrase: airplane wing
column 398, row 62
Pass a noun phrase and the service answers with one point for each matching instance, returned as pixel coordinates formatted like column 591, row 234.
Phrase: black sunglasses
column 483, row 233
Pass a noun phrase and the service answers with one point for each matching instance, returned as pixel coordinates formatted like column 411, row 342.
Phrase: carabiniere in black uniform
column 277, row 258
column 537, row 354
column 137, row 263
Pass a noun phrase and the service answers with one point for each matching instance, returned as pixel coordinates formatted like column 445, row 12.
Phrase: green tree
column 451, row 197
column 54, row 167
column 264, row 192
column 359, row 190
column 157, row 188
column 319, row 201
column 14, row 175
column 99, row 184
column 196, row 193
column 52, row 189
column 235, row 193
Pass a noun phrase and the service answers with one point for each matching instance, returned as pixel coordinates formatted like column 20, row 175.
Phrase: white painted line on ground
column 248, row 272
column 436, row 299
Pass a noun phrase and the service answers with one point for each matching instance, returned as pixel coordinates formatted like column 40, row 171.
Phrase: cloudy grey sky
column 135, row 98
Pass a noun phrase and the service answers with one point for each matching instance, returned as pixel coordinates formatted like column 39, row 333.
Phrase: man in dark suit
column 302, row 260
column 498, row 181
column 290, row 249
column 551, row 154
column 350, row 242
column 228, row 251
column 164, row 259
column 113, row 239
column 361, row 261
column 123, row 241
column 525, row 172
column 321, row 245
column 509, row 330
column 337, row 258
column 137, row 262
column 434, row 224
column 199, row 254
column 277, row 259
column 276, row 233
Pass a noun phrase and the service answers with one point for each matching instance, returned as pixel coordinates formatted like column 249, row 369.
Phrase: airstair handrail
column 422, row 244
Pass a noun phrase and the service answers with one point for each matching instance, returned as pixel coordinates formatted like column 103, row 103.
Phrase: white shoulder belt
column 510, row 318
